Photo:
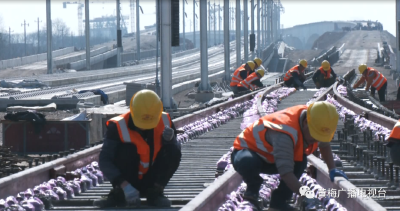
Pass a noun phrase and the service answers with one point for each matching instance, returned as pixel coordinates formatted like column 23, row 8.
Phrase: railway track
column 364, row 160
column 179, row 73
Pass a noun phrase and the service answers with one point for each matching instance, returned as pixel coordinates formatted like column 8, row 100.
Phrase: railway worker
column 374, row 79
column 324, row 76
column 394, row 144
column 280, row 143
column 252, row 82
column 240, row 74
column 140, row 153
column 258, row 62
column 295, row 76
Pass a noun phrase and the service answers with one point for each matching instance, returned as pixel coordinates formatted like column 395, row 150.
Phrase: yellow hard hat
column 322, row 119
column 261, row 72
column 362, row 68
column 258, row 61
column 146, row 109
column 303, row 63
column 325, row 65
column 251, row 64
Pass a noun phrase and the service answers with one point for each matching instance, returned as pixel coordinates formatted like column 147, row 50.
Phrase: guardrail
column 9, row 63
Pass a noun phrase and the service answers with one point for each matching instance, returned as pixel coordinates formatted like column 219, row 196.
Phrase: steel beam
column 263, row 15
column 258, row 30
column 157, row 45
column 49, row 38
column 215, row 27
column 87, row 34
column 252, row 24
column 398, row 36
column 226, row 41
column 246, row 30
column 194, row 23
column 204, row 85
column 269, row 22
column 119, row 35
column 219, row 23
column 138, row 31
column 238, row 33
column 166, row 59
column 183, row 20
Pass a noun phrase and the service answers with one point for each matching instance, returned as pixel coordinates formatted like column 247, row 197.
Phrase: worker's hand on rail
column 168, row 133
column 337, row 173
column 132, row 196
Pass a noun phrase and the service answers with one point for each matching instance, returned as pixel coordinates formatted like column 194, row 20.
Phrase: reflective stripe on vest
column 236, row 78
column 247, row 82
column 129, row 136
column 379, row 79
column 326, row 74
column 288, row 74
column 396, row 131
column 287, row 121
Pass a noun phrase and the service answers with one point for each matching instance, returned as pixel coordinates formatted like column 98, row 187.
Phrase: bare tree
column 60, row 32
column 59, row 27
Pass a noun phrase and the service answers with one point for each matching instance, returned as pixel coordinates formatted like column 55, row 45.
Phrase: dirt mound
column 327, row 40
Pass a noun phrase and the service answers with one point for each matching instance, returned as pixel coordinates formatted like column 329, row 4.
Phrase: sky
column 14, row 12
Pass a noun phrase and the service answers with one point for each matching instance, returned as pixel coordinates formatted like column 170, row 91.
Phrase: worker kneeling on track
column 240, row 74
column 140, row 153
column 295, row 76
column 324, row 76
column 251, row 83
column 394, row 144
column 374, row 78
column 280, row 143
column 258, row 62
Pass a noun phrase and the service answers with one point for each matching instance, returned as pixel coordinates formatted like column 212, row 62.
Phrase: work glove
column 168, row 133
column 132, row 196
column 335, row 172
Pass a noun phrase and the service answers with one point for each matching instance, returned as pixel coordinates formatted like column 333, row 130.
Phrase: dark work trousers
column 324, row 82
column 237, row 90
column 160, row 172
column 398, row 93
column 291, row 83
column 249, row 165
column 381, row 92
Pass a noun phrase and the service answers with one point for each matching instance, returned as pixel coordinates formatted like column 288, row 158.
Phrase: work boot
column 155, row 197
column 253, row 199
column 116, row 198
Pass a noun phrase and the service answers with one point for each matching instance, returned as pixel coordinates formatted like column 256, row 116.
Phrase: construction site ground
column 147, row 42
column 361, row 46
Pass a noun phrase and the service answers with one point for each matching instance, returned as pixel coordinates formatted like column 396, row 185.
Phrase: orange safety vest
column 326, row 74
column 284, row 121
column 396, row 131
column 129, row 136
column 247, row 82
column 379, row 79
column 288, row 74
column 236, row 78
